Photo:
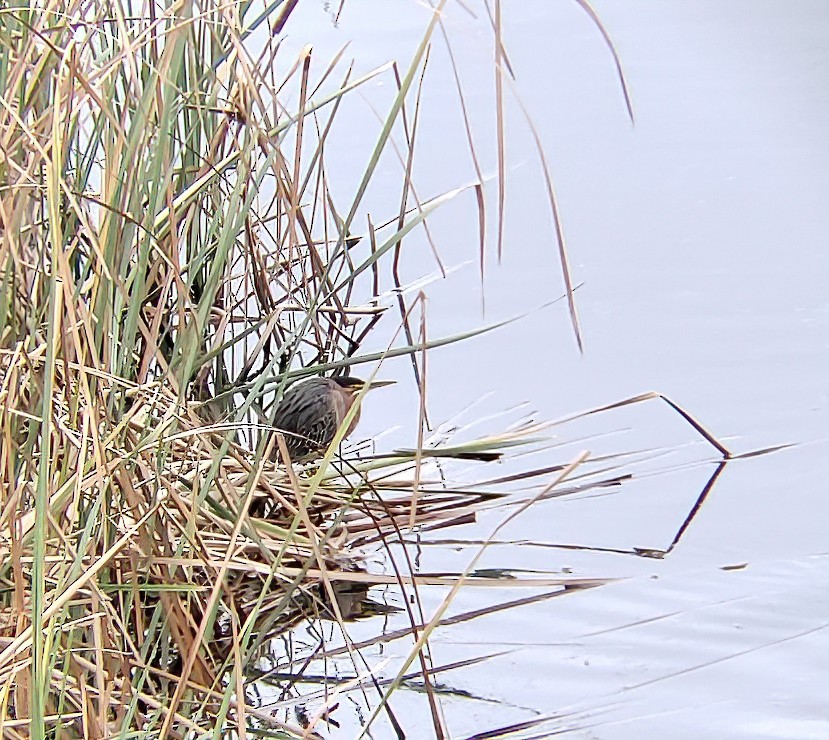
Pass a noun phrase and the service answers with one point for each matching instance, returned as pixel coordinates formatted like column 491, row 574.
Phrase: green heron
column 311, row 412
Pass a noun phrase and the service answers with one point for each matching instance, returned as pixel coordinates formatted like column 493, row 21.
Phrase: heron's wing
column 322, row 427
column 308, row 417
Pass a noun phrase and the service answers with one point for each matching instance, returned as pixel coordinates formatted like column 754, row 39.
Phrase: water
column 699, row 235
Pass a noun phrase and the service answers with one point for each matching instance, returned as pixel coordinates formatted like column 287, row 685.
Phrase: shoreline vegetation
column 172, row 259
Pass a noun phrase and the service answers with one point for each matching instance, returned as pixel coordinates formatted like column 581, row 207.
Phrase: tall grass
column 172, row 257
column 163, row 277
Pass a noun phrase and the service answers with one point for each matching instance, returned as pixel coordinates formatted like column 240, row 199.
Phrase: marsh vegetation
column 173, row 257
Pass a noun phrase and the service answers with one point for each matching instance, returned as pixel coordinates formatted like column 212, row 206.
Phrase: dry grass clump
column 170, row 258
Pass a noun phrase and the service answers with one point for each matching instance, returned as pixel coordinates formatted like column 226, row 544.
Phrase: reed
column 172, row 257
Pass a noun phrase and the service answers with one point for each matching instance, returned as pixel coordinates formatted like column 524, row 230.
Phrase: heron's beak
column 371, row 384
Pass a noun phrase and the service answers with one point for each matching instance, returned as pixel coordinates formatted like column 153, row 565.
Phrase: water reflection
column 700, row 238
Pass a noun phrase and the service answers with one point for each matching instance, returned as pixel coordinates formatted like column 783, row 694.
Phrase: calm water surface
column 700, row 236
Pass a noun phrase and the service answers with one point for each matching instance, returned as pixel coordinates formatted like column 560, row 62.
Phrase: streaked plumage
column 312, row 410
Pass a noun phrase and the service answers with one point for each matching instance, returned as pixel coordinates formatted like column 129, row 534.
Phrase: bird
column 312, row 410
